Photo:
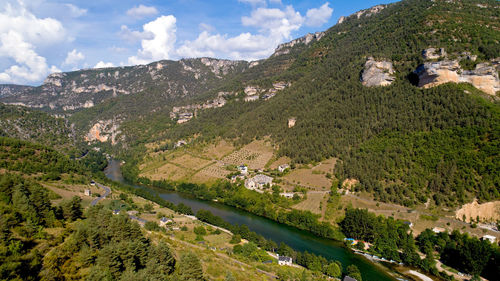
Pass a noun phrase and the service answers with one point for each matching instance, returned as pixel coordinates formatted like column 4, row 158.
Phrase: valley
column 370, row 149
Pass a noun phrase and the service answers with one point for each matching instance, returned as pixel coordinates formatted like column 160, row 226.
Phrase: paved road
column 107, row 191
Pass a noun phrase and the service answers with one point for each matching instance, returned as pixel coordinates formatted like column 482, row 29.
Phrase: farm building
column 282, row 168
column 490, row 238
column 258, row 182
column 284, row 260
column 87, row 192
column 243, row 169
column 164, row 221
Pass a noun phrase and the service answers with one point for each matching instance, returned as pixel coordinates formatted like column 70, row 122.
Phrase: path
column 107, row 191
column 420, row 275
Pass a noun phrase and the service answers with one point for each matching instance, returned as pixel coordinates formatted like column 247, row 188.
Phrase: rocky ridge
column 285, row 48
column 377, row 73
column 484, row 77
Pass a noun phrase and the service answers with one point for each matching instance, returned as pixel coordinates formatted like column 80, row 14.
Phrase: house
column 348, row 278
column 287, row 194
column 180, row 143
column 237, row 177
column 258, row 182
column 164, row 221
column 92, row 182
column 284, row 260
column 251, row 98
column 116, row 212
column 438, row 230
column 282, row 168
column 87, row 192
column 490, row 238
column 243, row 169
column 408, row 223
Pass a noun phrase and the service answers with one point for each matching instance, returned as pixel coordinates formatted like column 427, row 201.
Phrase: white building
column 284, row 260
column 243, row 169
column 438, row 229
column 490, row 238
column 87, row 192
column 282, row 168
column 251, row 98
column 164, row 221
column 258, row 182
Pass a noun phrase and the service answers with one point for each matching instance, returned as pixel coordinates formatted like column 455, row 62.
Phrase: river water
column 297, row 239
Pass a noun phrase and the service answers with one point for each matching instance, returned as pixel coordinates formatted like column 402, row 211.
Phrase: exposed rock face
column 484, row 77
column 432, row 53
column 341, row 20
column 284, row 48
column 80, row 89
column 103, row 131
column 377, row 73
column 368, row 12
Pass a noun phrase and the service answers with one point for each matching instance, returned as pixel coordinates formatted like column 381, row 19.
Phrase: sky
column 39, row 37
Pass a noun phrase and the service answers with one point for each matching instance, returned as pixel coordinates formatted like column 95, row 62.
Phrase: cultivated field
column 255, row 154
column 315, row 202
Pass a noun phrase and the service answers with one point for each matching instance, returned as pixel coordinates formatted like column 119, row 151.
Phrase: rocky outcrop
column 433, row 53
column 103, row 131
column 71, row 91
column 285, row 48
column 484, row 76
column 368, row 12
column 377, row 73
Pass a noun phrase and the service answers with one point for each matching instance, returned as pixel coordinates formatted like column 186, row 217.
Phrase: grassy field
column 315, row 202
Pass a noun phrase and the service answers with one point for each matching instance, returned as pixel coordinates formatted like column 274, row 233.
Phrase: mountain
column 381, row 90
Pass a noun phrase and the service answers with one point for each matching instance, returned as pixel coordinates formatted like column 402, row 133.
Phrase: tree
column 236, row 239
column 72, row 210
column 353, row 271
column 200, row 230
column 190, row 268
column 333, row 270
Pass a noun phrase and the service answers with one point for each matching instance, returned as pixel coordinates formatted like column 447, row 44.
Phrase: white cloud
column 275, row 1
column 142, row 11
column 134, row 35
column 274, row 25
column 102, row 64
column 21, row 33
column 161, row 46
column 73, row 58
column 75, row 11
column 318, row 16
column 206, row 27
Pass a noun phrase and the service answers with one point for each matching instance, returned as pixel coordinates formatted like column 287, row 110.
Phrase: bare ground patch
column 308, row 178
column 218, row 150
column 487, row 212
column 167, row 171
column 191, row 162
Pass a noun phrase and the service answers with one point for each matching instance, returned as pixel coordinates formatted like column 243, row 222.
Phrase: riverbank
column 298, row 240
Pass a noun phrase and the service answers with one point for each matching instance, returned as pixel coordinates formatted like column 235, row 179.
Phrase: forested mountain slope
column 401, row 140
column 381, row 133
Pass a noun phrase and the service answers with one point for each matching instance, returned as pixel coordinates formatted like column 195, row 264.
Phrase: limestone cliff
column 103, row 131
column 377, row 73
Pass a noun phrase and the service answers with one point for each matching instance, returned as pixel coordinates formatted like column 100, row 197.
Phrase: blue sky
column 38, row 37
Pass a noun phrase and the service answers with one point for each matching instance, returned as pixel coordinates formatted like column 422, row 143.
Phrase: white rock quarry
column 377, row 73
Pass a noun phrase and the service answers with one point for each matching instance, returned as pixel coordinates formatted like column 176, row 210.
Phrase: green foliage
column 236, row 239
column 200, row 230
column 462, row 252
column 190, row 268
column 353, row 271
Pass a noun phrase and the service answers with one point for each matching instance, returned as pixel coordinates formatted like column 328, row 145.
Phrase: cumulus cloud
column 73, row 58
column 274, row 25
column 134, row 35
column 161, row 45
column 21, row 33
column 318, row 16
column 102, row 64
column 75, row 11
column 142, row 11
